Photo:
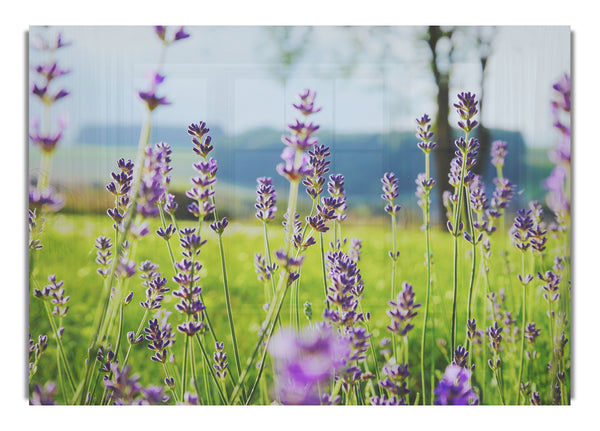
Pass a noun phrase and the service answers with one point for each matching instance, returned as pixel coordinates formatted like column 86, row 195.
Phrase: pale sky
column 227, row 77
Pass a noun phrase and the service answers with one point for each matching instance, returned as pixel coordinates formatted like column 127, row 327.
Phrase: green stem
column 194, row 374
column 457, row 219
column 393, row 283
column 137, row 334
column 184, row 367
column 323, row 268
column 168, row 375
column 428, row 293
column 60, row 346
column 228, row 306
column 523, row 312
column 208, row 363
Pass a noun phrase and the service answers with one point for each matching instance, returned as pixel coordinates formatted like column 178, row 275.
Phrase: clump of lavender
column 454, row 388
column 295, row 166
column 306, row 360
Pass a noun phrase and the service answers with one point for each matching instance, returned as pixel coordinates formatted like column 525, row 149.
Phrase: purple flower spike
column 454, row 388
column 390, row 193
column 402, row 311
column 219, row 226
column 307, row 103
column 266, row 198
column 425, row 134
column 467, row 109
column 499, row 153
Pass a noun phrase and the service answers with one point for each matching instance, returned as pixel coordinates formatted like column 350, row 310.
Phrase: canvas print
column 307, row 215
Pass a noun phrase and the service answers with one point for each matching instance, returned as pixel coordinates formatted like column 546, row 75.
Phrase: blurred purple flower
column 292, row 169
column 454, row 388
column 43, row 396
column 302, row 360
column 499, row 153
column 45, row 201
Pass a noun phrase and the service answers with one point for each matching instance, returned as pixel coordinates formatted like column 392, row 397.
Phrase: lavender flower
column 48, row 95
column 454, row 388
column 521, row 229
column 424, row 186
column 504, row 193
column 402, row 311
column 460, row 357
column 55, row 293
column 395, row 382
column 499, row 153
column 46, row 142
column 296, row 163
column 425, row 134
column 154, row 180
column 154, row 285
column 35, row 352
column 390, row 192
column 161, row 32
column 551, row 287
column 46, row 200
column 221, row 365
column 495, row 336
column 467, row 109
column 103, row 254
column 266, row 198
column 219, row 225
column 320, row 167
column 344, row 290
column 203, row 191
column 160, row 337
column 558, row 198
column 307, row 103
column 200, row 139
column 262, row 268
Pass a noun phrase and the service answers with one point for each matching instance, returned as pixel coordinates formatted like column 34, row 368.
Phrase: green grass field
column 68, row 251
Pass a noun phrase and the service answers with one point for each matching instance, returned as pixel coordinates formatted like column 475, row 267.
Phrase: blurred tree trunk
column 443, row 132
column 484, row 42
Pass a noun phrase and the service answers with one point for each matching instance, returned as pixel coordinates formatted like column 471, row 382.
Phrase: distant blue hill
column 362, row 158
